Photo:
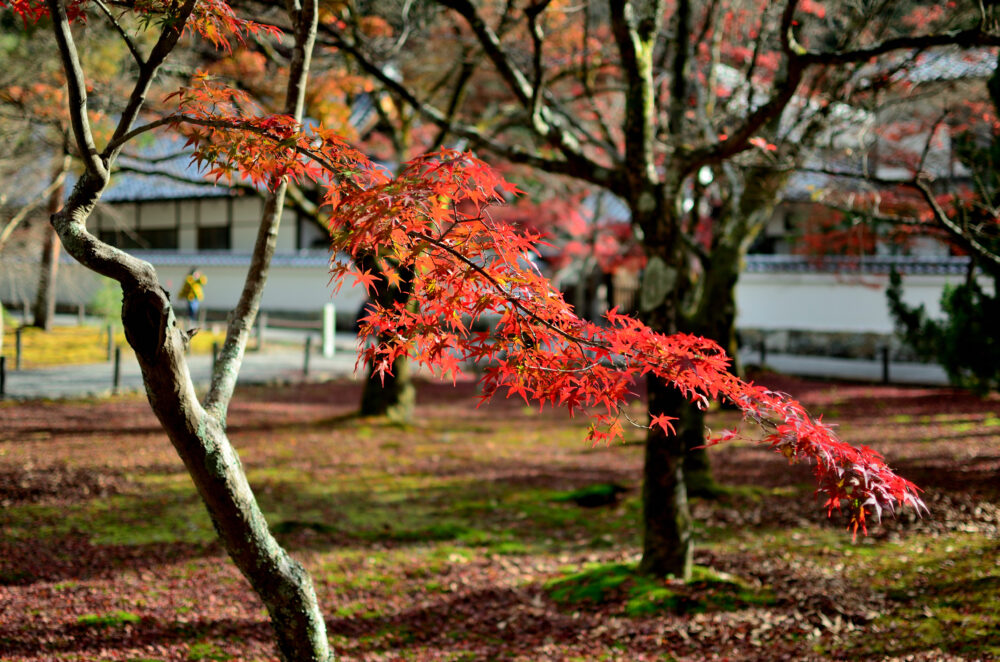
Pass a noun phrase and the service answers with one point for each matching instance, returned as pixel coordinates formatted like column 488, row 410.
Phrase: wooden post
column 80, row 313
column 329, row 329
column 763, row 350
column 116, row 379
column 3, row 377
column 885, row 364
column 305, row 362
column 261, row 324
column 17, row 349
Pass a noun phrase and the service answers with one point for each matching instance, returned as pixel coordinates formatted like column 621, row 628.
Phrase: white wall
column 300, row 288
column 829, row 301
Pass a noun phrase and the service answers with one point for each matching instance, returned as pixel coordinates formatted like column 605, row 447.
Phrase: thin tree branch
column 922, row 184
column 575, row 164
column 969, row 242
column 22, row 213
column 121, row 33
column 967, row 38
column 172, row 31
column 305, row 19
column 76, row 88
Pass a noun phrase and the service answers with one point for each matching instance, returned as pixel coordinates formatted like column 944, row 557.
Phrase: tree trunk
column 750, row 202
column 666, row 544
column 393, row 396
column 200, row 439
column 664, row 293
column 715, row 318
column 45, row 298
column 196, row 431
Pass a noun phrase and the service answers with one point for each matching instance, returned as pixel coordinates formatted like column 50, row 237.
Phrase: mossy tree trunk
column 749, row 201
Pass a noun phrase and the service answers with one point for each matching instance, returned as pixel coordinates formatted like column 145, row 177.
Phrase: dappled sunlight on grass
column 74, row 345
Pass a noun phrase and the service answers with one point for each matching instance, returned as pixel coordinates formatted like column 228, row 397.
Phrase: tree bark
column 45, row 298
column 667, row 546
column 200, row 440
column 664, row 293
column 197, row 432
column 395, row 395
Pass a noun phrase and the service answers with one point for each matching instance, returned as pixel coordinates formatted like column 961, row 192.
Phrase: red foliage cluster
column 473, row 268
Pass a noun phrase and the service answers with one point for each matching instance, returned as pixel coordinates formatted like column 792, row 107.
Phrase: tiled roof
column 305, row 258
column 131, row 187
column 873, row 264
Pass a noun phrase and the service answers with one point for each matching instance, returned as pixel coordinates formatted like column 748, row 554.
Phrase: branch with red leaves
column 471, row 268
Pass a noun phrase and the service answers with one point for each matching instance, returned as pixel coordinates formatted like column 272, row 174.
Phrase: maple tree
column 432, row 219
column 639, row 98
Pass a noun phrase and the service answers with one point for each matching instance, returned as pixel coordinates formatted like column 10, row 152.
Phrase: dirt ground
column 458, row 537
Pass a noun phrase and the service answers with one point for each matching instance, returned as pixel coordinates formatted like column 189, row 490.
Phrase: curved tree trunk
column 200, row 440
column 197, row 431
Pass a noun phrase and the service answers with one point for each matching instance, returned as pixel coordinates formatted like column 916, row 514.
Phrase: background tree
column 637, row 98
column 927, row 177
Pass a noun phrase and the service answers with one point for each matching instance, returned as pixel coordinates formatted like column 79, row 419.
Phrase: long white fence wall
column 774, row 292
column 297, row 282
column 791, row 293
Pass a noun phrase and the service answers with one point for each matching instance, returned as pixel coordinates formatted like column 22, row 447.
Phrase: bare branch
column 966, row 38
column 575, row 164
column 954, row 229
column 922, row 184
column 172, row 31
column 76, row 88
column 42, row 196
column 121, row 33
column 243, row 315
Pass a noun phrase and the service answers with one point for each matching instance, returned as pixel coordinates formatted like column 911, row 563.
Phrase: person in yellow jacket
column 193, row 291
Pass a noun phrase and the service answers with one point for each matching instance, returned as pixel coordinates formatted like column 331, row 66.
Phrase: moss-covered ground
column 68, row 345
column 462, row 536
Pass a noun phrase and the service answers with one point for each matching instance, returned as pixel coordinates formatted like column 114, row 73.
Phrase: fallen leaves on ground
column 436, row 540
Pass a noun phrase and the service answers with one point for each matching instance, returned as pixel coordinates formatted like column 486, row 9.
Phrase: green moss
column 642, row 595
column 206, row 650
column 943, row 595
column 111, row 619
